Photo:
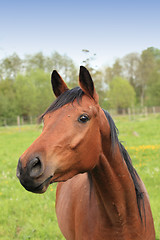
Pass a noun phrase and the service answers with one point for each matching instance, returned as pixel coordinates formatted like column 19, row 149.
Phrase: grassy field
column 25, row 215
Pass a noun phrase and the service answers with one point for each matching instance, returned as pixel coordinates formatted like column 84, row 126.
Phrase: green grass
column 25, row 215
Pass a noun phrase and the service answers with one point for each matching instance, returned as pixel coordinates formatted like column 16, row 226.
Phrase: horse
column 99, row 194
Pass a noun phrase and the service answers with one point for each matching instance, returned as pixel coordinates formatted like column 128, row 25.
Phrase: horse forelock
column 67, row 97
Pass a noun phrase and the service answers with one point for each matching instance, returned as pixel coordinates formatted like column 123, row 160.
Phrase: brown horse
column 99, row 194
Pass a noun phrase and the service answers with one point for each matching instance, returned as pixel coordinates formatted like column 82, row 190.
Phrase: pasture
column 25, row 215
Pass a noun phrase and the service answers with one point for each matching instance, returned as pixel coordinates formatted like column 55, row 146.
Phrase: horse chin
column 59, row 177
column 63, row 177
column 40, row 188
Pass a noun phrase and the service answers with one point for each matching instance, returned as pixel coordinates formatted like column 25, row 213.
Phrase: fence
column 136, row 111
column 19, row 121
column 131, row 112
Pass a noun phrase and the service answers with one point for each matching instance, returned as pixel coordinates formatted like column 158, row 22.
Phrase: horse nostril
column 19, row 169
column 35, row 168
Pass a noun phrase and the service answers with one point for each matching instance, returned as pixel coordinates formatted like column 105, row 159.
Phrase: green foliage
column 117, row 69
column 153, row 91
column 155, row 52
column 10, row 66
column 43, row 90
column 147, row 65
column 33, row 93
column 25, row 95
column 36, row 61
column 131, row 64
column 7, row 99
column 137, row 69
column 25, row 88
column 121, row 94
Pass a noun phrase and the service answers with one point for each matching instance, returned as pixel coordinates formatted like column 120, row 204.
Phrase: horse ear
column 86, row 83
column 58, row 85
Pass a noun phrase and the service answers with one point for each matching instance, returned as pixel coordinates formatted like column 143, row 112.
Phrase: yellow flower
column 144, row 147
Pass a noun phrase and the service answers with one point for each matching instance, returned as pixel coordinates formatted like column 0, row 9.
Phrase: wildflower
column 145, row 147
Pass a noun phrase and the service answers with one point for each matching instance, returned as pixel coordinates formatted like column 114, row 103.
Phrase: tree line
column 25, row 89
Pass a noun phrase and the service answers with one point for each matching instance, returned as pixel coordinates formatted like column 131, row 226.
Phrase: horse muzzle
column 30, row 176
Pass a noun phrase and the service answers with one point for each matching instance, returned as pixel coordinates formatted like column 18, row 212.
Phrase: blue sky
column 111, row 29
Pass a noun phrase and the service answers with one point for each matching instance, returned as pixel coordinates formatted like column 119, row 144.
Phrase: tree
column 65, row 66
column 117, row 70
column 44, row 95
column 25, row 96
column 10, row 66
column 153, row 89
column 33, row 93
column 146, row 67
column 155, row 52
column 7, row 99
column 131, row 64
column 36, row 61
column 112, row 72
column 108, row 75
column 121, row 94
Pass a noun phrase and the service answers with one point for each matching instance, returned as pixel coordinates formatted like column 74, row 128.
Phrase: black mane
column 76, row 93
column 132, row 171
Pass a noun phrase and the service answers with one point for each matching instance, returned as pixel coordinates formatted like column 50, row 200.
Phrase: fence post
column 18, row 121
column 129, row 113
column 133, row 113
column 5, row 122
column 154, row 110
column 22, row 121
column 31, row 120
column 146, row 111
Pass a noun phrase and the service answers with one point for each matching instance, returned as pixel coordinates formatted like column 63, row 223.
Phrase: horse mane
column 76, row 93
column 127, row 159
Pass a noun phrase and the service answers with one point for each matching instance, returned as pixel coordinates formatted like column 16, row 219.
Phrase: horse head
column 70, row 142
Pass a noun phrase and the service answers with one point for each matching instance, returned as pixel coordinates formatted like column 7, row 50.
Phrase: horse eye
column 83, row 118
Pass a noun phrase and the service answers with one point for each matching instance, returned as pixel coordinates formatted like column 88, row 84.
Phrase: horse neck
column 113, row 184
